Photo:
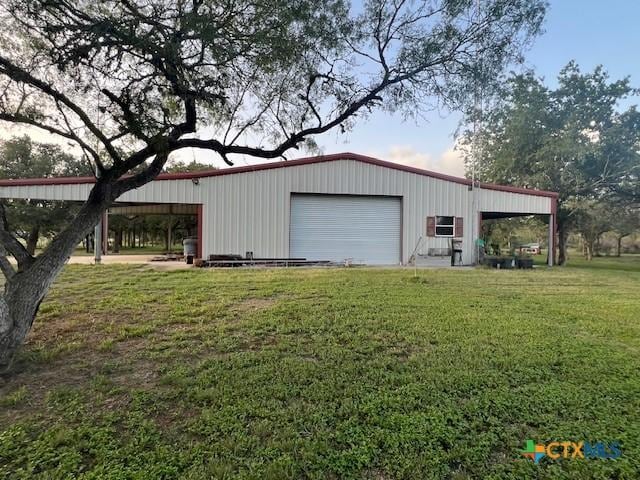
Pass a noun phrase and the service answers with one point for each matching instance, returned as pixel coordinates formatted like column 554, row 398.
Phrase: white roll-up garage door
column 338, row 227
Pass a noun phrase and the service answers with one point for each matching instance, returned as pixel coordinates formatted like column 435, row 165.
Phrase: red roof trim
column 281, row 164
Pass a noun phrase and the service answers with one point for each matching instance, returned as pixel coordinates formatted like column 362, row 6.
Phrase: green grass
column 136, row 373
column 629, row 263
column 626, row 262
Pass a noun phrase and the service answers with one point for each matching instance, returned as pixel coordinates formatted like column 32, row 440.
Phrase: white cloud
column 452, row 162
column 449, row 162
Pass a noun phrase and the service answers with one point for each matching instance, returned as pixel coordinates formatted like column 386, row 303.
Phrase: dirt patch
column 51, row 330
column 255, row 304
column 141, row 375
column 309, row 358
column 169, row 418
column 74, row 369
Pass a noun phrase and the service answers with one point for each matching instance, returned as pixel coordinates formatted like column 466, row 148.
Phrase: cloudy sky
column 591, row 32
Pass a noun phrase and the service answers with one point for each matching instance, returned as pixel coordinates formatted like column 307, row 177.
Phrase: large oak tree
column 573, row 139
column 131, row 81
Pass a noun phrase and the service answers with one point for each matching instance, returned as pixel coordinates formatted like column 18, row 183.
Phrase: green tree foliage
column 280, row 70
column 20, row 157
column 179, row 166
column 132, row 232
column 572, row 140
column 591, row 219
column 623, row 219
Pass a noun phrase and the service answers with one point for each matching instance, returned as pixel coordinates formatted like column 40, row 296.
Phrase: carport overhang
column 77, row 189
column 551, row 219
column 131, row 209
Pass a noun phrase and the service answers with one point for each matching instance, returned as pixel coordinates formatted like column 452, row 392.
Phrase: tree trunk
column 588, row 244
column 563, row 235
column 18, row 308
column 117, row 240
column 32, row 240
column 24, row 291
column 166, row 240
column 619, row 249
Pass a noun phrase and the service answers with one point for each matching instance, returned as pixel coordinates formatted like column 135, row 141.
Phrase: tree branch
column 128, row 116
column 19, row 118
column 5, row 265
column 11, row 244
column 22, row 76
column 139, row 179
column 293, row 140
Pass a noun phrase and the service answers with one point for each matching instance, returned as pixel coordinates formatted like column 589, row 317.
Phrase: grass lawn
column 630, row 263
column 626, row 262
column 136, row 373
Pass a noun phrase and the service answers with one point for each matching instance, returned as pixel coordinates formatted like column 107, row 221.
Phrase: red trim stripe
column 200, row 237
column 282, row 164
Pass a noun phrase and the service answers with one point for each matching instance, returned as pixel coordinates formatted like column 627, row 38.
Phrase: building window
column 444, row 226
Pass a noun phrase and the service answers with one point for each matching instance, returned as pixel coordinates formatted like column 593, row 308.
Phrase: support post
column 199, row 234
column 105, row 233
column 97, row 242
column 97, row 235
column 551, row 242
column 477, row 242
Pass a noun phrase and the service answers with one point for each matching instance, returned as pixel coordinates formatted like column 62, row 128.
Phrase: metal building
column 333, row 207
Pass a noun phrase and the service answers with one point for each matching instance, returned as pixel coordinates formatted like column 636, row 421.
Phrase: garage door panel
column 336, row 227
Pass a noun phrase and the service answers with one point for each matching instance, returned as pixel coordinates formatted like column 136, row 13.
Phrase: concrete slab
column 128, row 259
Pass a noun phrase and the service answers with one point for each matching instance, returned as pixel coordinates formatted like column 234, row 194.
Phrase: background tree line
column 575, row 140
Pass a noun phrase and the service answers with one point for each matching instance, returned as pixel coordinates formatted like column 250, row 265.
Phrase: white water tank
column 190, row 245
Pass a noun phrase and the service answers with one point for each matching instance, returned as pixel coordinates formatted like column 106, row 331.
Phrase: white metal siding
column 510, row 202
column 365, row 229
column 249, row 211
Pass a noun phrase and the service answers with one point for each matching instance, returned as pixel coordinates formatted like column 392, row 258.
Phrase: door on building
column 363, row 228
